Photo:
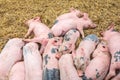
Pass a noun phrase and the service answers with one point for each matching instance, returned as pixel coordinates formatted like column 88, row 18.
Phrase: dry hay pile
column 13, row 14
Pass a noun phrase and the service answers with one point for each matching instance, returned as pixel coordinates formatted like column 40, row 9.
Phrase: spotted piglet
column 17, row 72
column 61, row 27
column 50, row 62
column 71, row 14
column 41, row 31
column 82, row 55
column 69, row 41
column 11, row 53
column 99, row 65
column 113, row 39
column 32, row 61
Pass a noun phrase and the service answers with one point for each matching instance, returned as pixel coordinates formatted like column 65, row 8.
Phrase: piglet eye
column 103, row 46
column 55, row 41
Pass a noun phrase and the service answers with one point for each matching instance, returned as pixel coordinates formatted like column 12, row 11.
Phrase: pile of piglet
column 52, row 53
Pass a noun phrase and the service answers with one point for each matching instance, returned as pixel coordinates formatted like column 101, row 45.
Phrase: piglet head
column 103, row 46
column 36, row 19
column 57, row 41
column 88, row 23
column 107, row 33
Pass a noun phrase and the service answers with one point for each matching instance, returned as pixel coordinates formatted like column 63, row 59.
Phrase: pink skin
column 85, row 49
column 67, row 69
column 72, row 14
column 11, row 53
column 69, row 41
column 61, row 27
column 32, row 61
column 17, row 72
column 40, row 31
column 52, row 43
column 117, row 77
column 99, row 65
column 113, row 40
column 50, row 51
column 79, row 61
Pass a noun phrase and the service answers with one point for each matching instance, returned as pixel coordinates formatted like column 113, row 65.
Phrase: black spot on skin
column 84, row 77
column 66, row 38
column 54, row 50
column 97, row 75
column 117, row 56
column 51, row 74
column 74, row 30
column 56, row 21
column 46, row 59
column 50, row 35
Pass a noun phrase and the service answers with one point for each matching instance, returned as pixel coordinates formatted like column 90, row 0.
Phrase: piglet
column 61, row 27
column 71, row 14
column 41, row 31
column 99, row 65
column 69, row 41
column 113, row 39
column 32, row 61
column 82, row 55
column 17, row 72
column 50, row 62
column 11, row 53
column 67, row 69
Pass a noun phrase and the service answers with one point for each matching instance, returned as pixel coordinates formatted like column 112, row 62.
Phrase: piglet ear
column 71, row 9
column 85, row 16
column 37, row 18
column 111, row 26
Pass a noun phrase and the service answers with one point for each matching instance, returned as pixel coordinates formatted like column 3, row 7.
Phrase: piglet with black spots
column 41, row 31
column 82, row 55
column 11, row 53
column 68, row 45
column 99, row 65
column 61, row 27
column 32, row 61
column 17, row 72
column 50, row 62
column 113, row 39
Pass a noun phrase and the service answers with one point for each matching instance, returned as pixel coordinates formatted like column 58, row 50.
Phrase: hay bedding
column 13, row 14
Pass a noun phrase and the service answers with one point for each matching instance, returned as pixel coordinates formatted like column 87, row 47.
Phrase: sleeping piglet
column 41, row 32
column 99, row 65
column 50, row 62
column 67, row 69
column 82, row 55
column 113, row 39
column 61, row 27
column 11, row 53
column 32, row 61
